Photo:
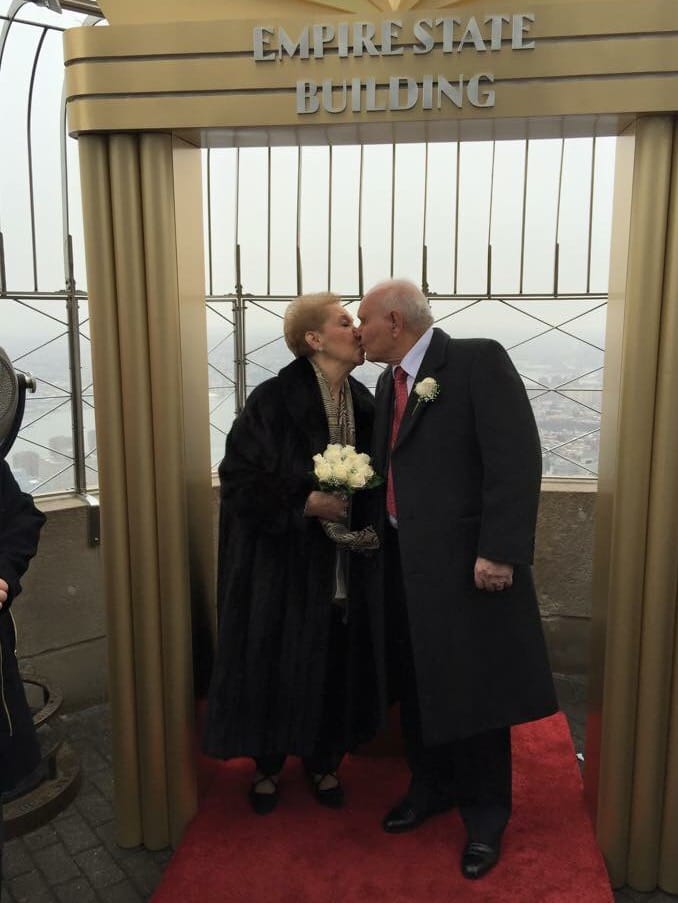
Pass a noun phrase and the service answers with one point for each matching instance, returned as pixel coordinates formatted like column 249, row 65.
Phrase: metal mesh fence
column 509, row 239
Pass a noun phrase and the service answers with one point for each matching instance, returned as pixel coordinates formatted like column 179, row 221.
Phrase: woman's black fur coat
column 276, row 581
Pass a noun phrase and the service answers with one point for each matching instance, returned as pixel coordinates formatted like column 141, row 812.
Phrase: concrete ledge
column 568, row 642
column 563, row 554
column 60, row 617
column 64, row 586
column 79, row 670
column 562, row 571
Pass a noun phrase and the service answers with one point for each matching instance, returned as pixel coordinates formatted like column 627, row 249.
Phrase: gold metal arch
column 137, row 12
column 388, row 6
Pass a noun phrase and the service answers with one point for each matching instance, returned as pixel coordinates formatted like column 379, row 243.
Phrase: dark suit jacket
column 467, row 470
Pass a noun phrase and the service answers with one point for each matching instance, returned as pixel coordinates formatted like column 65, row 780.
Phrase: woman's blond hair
column 306, row 314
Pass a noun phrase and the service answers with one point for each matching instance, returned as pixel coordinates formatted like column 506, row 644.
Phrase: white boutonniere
column 426, row 390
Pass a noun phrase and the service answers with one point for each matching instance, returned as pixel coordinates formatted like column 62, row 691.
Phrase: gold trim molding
column 140, row 12
column 509, row 71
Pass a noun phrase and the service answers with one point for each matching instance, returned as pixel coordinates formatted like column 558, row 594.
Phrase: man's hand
column 4, row 590
column 492, row 575
column 326, row 505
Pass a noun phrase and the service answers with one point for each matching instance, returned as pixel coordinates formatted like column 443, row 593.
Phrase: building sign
column 286, row 71
column 460, row 40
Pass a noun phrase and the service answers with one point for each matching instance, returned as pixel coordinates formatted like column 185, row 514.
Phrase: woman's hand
column 326, row 505
column 4, row 591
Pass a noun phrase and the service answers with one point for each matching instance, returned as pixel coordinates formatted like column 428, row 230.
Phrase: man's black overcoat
column 20, row 523
column 467, row 471
column 276, row 581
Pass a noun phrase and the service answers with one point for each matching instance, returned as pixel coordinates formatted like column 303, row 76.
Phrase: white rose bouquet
column 340, row 468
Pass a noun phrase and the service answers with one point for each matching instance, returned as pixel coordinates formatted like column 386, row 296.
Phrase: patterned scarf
column 341, row 425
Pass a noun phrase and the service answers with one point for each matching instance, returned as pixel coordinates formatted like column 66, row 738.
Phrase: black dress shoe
column 478, row 858
column 262, row 802
column 332, row 797
column 407, row 815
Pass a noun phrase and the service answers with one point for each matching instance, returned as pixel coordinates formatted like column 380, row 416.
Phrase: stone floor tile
column 103, row 781
column 91, row 722
column 41, row 838
column 122, row 855
column 76, row 834
column 16, row 859
column 631, row 896
column 79, row 891
column 571, row 688
column 120, row 893
column 91, row 759
column 30, row 888
column 99, row 868
column 94, row 807
column 56, row 864
column 162, row 857
column 107, row 835
column 144, row 873
column 68, row 812
column 104, row 749
column 579, row 739
column 655, row 896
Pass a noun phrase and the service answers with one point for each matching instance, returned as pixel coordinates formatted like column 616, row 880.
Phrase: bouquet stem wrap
column 365, row 540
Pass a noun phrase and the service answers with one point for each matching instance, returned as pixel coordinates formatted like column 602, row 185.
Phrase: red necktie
column 400, row 403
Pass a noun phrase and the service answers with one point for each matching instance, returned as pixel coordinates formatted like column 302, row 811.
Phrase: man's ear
column 397, row 323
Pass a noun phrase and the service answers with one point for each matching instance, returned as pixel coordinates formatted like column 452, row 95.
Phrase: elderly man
column 455, row 434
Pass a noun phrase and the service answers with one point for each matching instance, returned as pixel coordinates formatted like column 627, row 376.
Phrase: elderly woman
column 296, row 668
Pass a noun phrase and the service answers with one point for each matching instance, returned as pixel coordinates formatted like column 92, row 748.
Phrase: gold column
column 102, row 286
column 149, row 350
column 635, row 572
column 663, row 569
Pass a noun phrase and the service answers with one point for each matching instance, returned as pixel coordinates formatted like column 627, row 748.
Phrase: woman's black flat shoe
column 263, row 803
column 332, row 797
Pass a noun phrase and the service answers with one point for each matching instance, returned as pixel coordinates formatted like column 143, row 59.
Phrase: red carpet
column 302, row 853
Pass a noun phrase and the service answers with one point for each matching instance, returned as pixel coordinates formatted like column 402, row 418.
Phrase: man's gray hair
column 406, row 297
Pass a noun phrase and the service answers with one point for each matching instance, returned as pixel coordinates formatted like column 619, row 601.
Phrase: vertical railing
column 3, row 272
column 240, row 357
column 75, row 365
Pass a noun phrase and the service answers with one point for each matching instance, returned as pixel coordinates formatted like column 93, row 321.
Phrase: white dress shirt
column 412, row 360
